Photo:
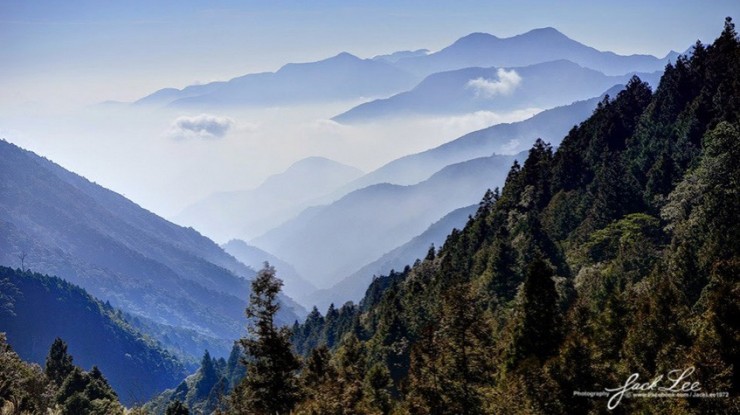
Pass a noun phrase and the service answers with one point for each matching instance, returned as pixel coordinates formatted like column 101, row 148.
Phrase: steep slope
column 535, row 46
column 354, row 286
column 543, row 85
column 337, row 78
column 67, row 226
column 250, row 213
column 614, row 257
column 328, row 243
column 550, row 125
column 294, row 286
column 37, row 309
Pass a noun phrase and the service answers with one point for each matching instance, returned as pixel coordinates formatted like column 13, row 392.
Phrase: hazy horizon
column 62, row 59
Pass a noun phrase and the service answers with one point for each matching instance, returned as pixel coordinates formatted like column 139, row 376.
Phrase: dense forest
column 615, row 255
column 35, row 309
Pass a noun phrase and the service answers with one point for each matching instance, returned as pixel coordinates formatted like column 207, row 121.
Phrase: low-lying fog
column 166, row 159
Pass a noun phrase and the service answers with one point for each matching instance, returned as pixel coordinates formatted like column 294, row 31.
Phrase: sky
column 82, row 52
column 60, row 58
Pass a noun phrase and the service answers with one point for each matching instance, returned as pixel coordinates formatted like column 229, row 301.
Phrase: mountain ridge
column 67, row 226
column 499, row 89
column 537, row 45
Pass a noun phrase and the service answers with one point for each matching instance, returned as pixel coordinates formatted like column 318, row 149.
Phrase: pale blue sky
column 87, row 51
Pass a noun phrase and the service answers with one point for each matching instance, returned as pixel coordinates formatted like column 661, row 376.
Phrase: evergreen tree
column 377, row 390
column 270, row 386
column 208, row 377
column 177, row 408
column 537, row 322
column 58, row 362
column 235, row 371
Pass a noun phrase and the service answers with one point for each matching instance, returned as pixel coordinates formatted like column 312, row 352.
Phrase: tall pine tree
column 270, row 386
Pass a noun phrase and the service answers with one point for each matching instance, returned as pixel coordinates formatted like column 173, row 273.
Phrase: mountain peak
column 476, row 38
column 314, row 161
column 544, row 32
column 344, row 56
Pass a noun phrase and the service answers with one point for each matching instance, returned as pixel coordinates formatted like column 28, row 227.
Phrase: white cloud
column 203, row 126
column 507, row 82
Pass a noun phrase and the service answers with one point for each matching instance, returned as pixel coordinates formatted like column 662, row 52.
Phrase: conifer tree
column 177, row 408
column 208, row 376
column 270, row 386
column 58, row 362
column 536, row 326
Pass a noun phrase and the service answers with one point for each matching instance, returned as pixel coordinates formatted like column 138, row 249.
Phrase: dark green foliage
column 207, row 390
column 617, row 254
column 23, row 386
column 47, row 307
column 88, row 393
column 58, row 362
column 377, row 389
column 177, row 408
column 536, row 320
column 208, row 377
column 270, row 386
column 25, row 389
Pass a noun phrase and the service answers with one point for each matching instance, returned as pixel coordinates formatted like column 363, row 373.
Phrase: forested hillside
column 59, row 223
column 616, row 254
column 607, row 266
column 35, row 309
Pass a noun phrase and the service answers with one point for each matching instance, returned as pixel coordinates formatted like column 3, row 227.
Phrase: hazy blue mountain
column 344, row 76
column 36, row 309
column 354, row 286
column 97, row 239
column 250, row 213
column 550, row 125
column 167, row 95
column 396, row 56
column 543, row 85
column 294, row 286
column 328, row 243
column 535, row 46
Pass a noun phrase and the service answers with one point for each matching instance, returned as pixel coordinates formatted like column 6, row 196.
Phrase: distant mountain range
column 341, row 77
column 542, row 85
column 354, row 286
column 345, row 76
column 480, row 72
column 250, row 213
column 535, row 46
column 375, row 193
column 35, row 309
column 508, row 138
column 327, row 243
column 55, row 222
column 294, row 286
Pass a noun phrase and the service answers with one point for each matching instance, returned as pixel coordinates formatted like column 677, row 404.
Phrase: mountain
column 543, row 85
column 535, row 46
column 295, row 286
column 341, row 77
column 250, row 213
column 508, row 138
column 36, row 309
column 354, row 286
column 58, row 223
column 615, row 256
column 396, row 56
column 346, row 76
column 328, row 243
